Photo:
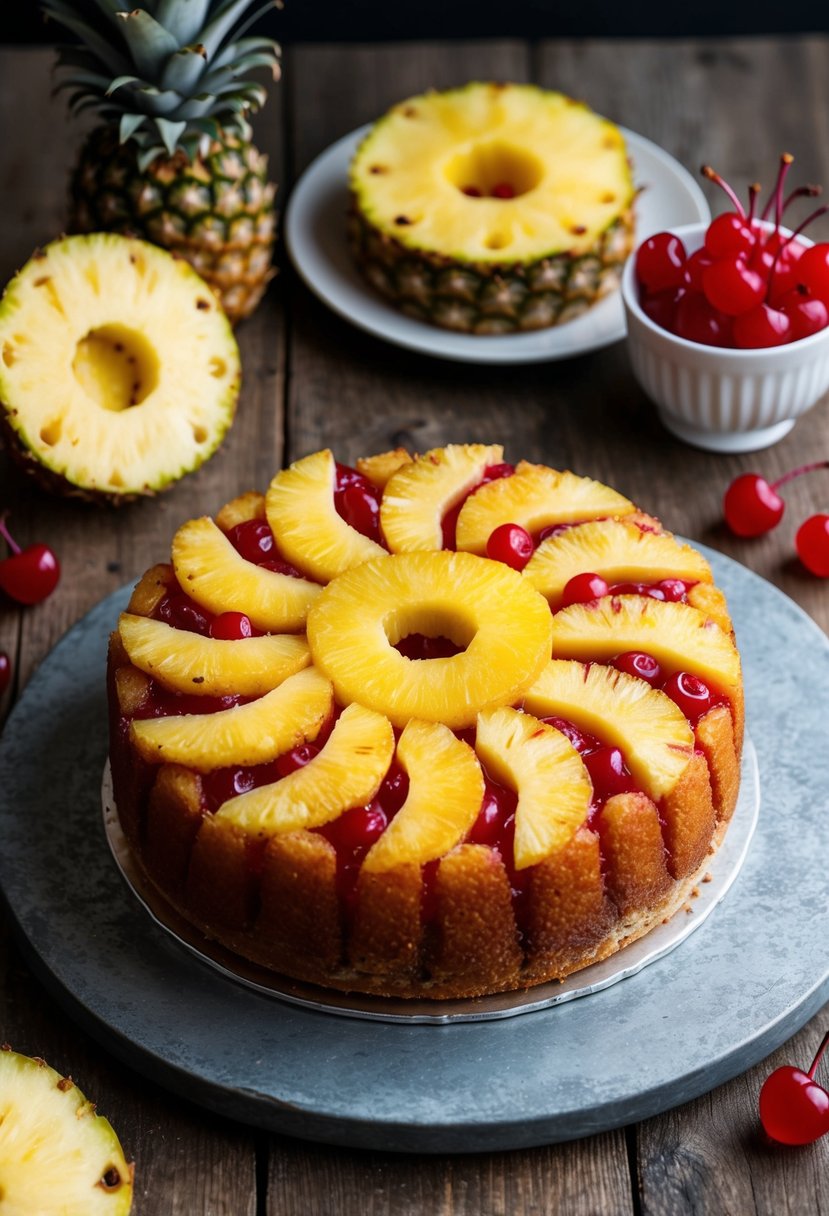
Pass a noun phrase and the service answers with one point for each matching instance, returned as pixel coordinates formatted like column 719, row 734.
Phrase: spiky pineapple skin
column 217, row 210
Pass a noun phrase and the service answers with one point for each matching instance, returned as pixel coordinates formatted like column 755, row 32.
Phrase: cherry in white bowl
column 717, row 397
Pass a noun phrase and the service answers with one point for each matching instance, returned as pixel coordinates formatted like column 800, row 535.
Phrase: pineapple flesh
column 57, row 1156
column 118, row 371
column 419, row 494
column 492, row 208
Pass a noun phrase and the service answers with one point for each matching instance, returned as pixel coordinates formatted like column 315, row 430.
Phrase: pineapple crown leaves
column 170, row 74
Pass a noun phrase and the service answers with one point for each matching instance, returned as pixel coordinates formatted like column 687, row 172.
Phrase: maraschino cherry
column 30, row 574
column 5, row 671
column 751, row 504
column 794, row 1108
column 510, row 544
column 812, row 544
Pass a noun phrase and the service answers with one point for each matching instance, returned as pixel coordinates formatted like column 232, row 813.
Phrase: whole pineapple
column 172, row 160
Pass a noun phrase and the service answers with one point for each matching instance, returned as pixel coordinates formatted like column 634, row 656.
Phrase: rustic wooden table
column 312, row 380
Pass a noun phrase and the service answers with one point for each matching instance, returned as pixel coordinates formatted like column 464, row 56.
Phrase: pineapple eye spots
column 50, row 433
column 497, row 240
column 116, row 367
column 494, row 170
column 200, row 434
column 217, row 367
column 9, row 354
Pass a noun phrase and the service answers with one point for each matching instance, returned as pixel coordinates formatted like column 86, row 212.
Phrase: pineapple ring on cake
column 492, row 208
column 441, row 782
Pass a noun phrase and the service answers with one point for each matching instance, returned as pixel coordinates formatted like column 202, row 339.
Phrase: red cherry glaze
column 161, row 703
column 690, row 694
column 729, row 235
column 5, row 671
column 492, row 472
column 393, row 789
column 581, row 740
column 178, row 610
column 660, row 262
column 419, row 646
column 553, row 530
column 812, row 544
column 608, row 772
column 254, row 540
column 230, row 626
column 794, row 1108
column 356, row 830
column 357, row 501
column 732, row 287
column 762, row 327
column 639, row 663
column 751, row 506
column 296, row 758
column 510, row 544
column 496, row 807
column 582, row 588
column 650, row 589
column 503, row 190
column 696, row 320
column 225, row 783
column 29, row 575
column 471, row 191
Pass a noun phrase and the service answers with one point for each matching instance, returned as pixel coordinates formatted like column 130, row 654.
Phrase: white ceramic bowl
column 717, row 398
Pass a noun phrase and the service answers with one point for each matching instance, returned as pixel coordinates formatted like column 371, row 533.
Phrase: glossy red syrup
column 255, row 542
column 357, row 501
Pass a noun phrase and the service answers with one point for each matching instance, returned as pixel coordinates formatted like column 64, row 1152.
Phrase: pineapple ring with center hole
column 502, row 624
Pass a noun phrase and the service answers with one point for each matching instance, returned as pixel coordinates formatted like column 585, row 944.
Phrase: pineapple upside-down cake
column 433, row 726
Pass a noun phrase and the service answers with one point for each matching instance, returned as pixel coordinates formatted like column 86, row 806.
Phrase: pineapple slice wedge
column 484, row 606
column 347, row 772
column 446, row 789
column 255, row 733
column 419, row 494
column 188, row 662
column 301, row 512
column 218, row 578
column 534, row 497
column 541, row 765
column 57, row 1157
column 379, row 468
column 620, row 709
column 616, row 549
column 677, row 635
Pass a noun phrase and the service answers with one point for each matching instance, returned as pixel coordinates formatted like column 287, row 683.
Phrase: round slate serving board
column 751, row 976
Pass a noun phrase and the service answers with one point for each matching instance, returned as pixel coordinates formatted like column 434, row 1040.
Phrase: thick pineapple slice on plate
column 622, row 710
column 498, row 619
column 303, row 518
column 534, row 497
column 347, row 772
column 446, row 788
column 187, row 662
column 616, row 549
column 419, row 494
column 245, row 734
column 492, row 208
column 57, row 1157
column 119, row 372
column 213, row 574
column 546, row 772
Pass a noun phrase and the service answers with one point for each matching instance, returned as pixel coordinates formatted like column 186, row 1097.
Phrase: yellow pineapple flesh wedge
column 218, row 578
column 678, row 636
column 378, row 469
column 241, row 509
column 303, row 518
column 617, row 550
column 57, row 1156
column 621, row 710
column 246, row 734
column 534, row 497
column 546, row 772
column 188, row 662
column 446, row 789
column 420, row 493
column 347, row 772
column 500, row 619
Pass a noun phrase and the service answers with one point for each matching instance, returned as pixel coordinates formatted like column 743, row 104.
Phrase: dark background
column 367, row 20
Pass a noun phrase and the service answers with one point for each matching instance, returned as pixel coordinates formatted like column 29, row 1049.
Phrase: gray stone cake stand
column 747, row 980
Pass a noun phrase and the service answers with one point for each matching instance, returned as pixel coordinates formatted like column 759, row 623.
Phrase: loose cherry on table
column 5, row 671
column 794, row 1108
column 752, row 507
column 29, row 575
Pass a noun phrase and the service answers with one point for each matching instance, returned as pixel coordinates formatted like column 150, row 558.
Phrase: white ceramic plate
column 315, row 237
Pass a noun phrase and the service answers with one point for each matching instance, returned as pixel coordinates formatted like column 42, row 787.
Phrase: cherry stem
column 775, row 198
column 824, row 1044
column 790, row 476
column 783, row 244
column 802, row 192
column 753, row 194
column 4, row 532
column 714, row 177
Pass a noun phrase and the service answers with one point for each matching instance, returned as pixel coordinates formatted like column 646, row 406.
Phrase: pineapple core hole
column 429, row 622
column 116, row 367
column 494, row 170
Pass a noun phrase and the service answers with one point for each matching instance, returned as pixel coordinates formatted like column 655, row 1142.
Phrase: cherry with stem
column 752, row 505
column 29, row 575
column 794, row 1108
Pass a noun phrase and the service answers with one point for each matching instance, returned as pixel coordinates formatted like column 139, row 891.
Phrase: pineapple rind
column 534, row 497
column 541, row 765
column 54, row 1149
column 446, row 788
column 188, row 662
column 310, row 533
column 218, row 578
column 622, row 710
column 419, row 494
column 255, row 733
column 347, row 772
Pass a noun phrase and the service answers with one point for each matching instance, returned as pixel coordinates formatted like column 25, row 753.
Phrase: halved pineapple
column 211, row 571
column 534, row 497
column 188, row 662
column 57, row 1157
column 419, row 494
column 347, row 772
column 492, row 208
column 620, row 710
column 501, row 621
column 617, row 550
column 246, row 734
column 303, row 518
column 544, row 769
column 446, row 788
column 119, row 371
